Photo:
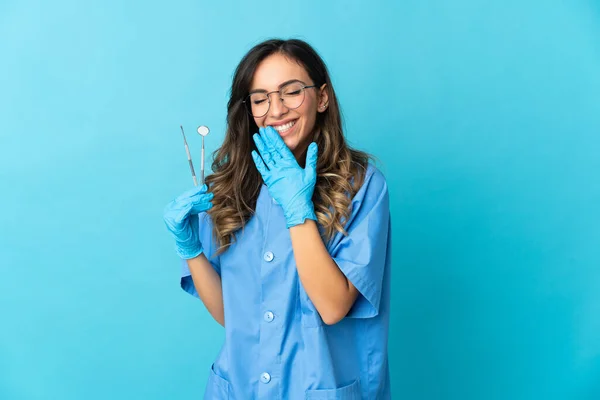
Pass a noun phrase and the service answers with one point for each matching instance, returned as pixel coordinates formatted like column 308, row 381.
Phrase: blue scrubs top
column 276, row 344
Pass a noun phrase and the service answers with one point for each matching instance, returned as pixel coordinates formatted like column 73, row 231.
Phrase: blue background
column 485, row 117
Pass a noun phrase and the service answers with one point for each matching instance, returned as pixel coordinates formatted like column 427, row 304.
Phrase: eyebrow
column 278, row 87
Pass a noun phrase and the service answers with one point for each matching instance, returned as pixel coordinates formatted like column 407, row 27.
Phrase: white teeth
column 283, row 128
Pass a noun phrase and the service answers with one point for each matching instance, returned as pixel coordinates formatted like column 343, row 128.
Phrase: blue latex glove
column 181, row 218
column 289, row 184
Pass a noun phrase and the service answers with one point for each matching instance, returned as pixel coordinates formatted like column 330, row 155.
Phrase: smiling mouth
column 285, row 127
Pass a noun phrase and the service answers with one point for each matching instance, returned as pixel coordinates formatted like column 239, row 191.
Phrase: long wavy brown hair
column 235, row 181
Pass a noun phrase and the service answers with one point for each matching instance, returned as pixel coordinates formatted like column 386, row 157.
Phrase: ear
column 323, row 98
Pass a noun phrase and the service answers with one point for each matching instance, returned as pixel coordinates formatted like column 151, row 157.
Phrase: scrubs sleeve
column 209, row 246
column 361, row 254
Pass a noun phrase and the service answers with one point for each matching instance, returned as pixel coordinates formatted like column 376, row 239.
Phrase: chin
column 291, row 143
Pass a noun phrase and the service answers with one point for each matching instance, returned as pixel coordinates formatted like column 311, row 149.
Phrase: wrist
column 298, row 215
column 188, row 252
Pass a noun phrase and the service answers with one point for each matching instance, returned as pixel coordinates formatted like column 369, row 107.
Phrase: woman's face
column 295, row 126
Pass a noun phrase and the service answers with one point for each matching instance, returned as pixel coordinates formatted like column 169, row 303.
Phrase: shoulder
column 374, row 184
column 372, row 196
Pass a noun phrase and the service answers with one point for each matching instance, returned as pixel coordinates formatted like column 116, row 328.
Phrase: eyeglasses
column 291, row 95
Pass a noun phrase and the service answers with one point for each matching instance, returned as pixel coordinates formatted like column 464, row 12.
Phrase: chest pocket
column 350, row 392
column 309, row 315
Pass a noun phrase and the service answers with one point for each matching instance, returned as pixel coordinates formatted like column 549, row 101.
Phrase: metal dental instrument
column 203, row 131
column 189, row 157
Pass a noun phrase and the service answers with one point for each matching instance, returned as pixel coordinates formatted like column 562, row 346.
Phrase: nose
column 277, row 108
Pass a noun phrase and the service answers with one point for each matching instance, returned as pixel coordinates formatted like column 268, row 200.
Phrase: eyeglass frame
column 268, row 94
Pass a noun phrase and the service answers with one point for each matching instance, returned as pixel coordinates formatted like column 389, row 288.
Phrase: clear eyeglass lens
column 292, row 96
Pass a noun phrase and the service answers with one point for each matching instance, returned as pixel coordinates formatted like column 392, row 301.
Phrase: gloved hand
column 289, row 184
column 181, row 218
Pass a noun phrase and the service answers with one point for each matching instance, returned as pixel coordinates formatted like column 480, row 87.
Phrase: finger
column 277, row 144
column 178, row 210
column 185, row 204
column 266, row 137
column 262, row 169
column 201, row 202
column 202, row 197
column 192, row 192
column 263, row 150
column 201, row 207
column 270, row 139
column 311, row 159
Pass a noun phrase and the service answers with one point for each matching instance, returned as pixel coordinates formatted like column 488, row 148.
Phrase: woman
column 287, row 245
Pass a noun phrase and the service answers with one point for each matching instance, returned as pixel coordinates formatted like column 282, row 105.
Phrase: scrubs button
column 268, row 256
column 274, row 201
column 269, row 316
column 265, row 378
